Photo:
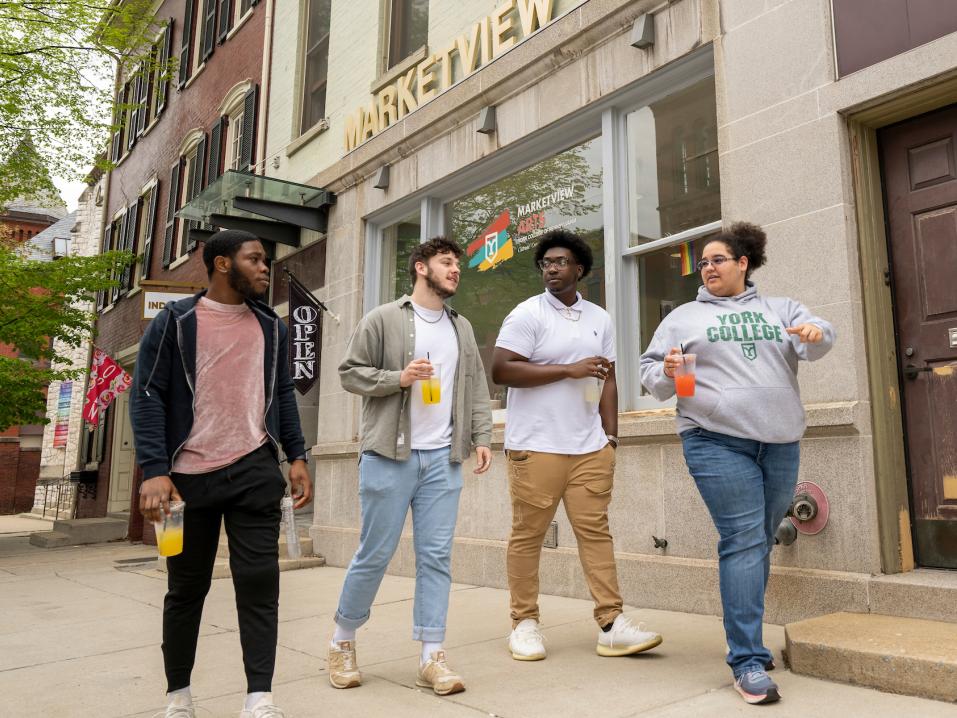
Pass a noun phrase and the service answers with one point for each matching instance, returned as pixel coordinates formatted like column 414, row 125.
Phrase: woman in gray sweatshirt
column 740, row 429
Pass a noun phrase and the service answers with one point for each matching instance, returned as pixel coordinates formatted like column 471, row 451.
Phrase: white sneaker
column 264, row 708
column 626, row 638
column 180, row 706
column 526, row 642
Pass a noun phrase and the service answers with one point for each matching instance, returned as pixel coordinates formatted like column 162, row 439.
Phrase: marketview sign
column 493, row 35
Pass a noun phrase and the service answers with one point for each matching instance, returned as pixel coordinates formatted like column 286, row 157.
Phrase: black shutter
column 209, row 28
column 249, row 131
column 129, row 245
column 254, row 2
column 195, row 187
column 130, row 94
column 169, row 236
column 148, row 235
column 225, row 19
column 166, row 50
column 144, row 98
column 115, row 149
column 215, row 151
column 187, row 44
column 118, row 240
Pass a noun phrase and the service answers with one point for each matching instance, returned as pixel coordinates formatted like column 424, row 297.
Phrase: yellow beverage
column 170, row 542
column 432, row 390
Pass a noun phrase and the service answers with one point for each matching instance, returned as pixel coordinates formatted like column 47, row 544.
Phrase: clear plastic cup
column 593, row 388
column 432, row 387
column 169, row 531
column 684, row 375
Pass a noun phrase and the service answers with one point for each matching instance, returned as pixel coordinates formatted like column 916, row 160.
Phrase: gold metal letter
column 405, row 99
column 387, row 109
column 424, row 77
column 468, row 52
column 534, row 14
column 500, row 26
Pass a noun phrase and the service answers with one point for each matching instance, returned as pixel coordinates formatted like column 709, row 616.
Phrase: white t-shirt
column 435, row 339
column 556, row 418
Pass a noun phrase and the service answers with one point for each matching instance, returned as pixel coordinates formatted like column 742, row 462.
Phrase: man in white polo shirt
column 556, row 354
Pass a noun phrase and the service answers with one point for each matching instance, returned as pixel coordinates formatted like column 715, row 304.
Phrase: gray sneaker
column 757, row 687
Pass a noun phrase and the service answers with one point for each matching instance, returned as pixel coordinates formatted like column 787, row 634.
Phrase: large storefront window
column 499, row 225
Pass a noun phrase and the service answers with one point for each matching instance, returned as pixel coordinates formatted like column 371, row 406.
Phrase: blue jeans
column 747, row 487
column 429, row 483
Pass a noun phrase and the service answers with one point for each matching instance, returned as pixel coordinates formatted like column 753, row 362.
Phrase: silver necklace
column 429, row 321
column 572, row 315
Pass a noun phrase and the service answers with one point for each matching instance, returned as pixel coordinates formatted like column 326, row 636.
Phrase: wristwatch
column 301, row 457
column 613, row 440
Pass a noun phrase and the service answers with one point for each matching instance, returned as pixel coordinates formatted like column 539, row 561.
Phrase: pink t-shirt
column 230, row 404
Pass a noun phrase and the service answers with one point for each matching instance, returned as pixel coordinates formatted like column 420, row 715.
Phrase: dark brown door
column 919, row 159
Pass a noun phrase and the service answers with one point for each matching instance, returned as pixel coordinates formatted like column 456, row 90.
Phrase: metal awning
column 272, row 209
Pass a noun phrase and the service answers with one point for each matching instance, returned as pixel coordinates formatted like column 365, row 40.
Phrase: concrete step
column 305, row 546
column 75, row 532
column 912, row 656
column 221, row 566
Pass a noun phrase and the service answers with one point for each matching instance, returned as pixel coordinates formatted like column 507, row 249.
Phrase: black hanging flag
column 305, row 335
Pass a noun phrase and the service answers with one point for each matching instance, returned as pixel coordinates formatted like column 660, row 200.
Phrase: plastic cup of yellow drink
column 432, row 387
column 169, row 531
column 593, row 388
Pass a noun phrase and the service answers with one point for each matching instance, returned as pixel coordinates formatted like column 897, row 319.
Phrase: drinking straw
column 429, row 380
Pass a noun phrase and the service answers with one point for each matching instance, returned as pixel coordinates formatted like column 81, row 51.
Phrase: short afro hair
column 224, row 244
column 570, row 241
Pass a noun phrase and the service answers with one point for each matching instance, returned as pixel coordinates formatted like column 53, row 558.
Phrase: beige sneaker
column 437, row 675
column 343, row 669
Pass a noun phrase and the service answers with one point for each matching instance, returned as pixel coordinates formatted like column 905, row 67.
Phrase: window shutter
column 166, row 50
column 195, row 187
column 148, row 235
column 249, row 131
column 143, row 99
column 115, row 150
column 215, row 151
column 130, row 94
column 209, row 28
column 254, row 2
column 185, row 47
column 129, row 245
column 104, row 248
column 170, row 233
column 117, row 242
column 225, row 19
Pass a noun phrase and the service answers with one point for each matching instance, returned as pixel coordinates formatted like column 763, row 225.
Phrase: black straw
column 429, row 380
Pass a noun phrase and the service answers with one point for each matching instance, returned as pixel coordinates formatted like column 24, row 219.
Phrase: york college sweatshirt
column 746, row 367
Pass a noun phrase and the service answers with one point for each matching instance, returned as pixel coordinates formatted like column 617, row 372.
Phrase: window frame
column 305, row 50
column 607, row 119
column 390, row 38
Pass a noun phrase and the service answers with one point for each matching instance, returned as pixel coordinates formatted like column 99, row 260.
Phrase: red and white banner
column 107, row 379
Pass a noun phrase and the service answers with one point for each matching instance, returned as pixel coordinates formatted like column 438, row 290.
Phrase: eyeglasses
column 562, row 262
column 714, row 261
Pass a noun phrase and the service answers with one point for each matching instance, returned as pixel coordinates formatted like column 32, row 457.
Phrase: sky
column 69, row 190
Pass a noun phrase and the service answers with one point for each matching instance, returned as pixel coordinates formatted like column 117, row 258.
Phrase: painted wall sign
column 153, row 302
column 493, row 35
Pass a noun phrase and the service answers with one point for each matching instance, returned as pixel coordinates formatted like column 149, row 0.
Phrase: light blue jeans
column 747, row 487
column 430, row 484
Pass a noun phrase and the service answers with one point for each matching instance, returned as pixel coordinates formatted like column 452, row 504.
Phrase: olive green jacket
column 381, row 347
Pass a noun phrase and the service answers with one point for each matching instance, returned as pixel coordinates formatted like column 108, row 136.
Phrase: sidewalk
column 80, row 636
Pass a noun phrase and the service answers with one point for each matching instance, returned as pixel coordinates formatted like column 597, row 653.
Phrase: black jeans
column 245, row 496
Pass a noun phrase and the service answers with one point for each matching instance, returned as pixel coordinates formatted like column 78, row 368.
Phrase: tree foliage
column 40, row 300
column 57, row 61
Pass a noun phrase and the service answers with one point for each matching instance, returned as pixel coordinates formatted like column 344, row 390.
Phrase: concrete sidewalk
column 80, row 636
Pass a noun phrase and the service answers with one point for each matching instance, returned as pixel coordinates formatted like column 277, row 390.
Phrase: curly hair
column 745, row 239
column 570, row 241
column 425, row 251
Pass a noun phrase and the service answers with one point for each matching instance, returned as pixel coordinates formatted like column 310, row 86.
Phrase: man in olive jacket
column 425, row 404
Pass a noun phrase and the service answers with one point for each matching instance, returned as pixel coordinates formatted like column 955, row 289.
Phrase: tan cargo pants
column 537, row 482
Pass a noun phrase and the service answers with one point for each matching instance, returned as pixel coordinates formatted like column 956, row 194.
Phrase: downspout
column 264, row 82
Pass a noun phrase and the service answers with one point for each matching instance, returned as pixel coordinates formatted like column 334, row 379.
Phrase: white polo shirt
column 555, row 418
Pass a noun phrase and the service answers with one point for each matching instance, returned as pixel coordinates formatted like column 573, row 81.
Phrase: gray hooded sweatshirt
column 746, row 368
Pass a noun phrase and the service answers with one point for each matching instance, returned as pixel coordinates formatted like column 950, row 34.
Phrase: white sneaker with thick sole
column 526, row 642
column 264, row 708
column 180, row 706
column 626, row 638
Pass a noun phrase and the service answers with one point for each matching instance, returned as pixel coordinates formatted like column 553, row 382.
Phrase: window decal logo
column 492, row 246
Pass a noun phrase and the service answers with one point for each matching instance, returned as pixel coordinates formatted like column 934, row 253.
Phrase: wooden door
column 919, row 161
column 121, row 464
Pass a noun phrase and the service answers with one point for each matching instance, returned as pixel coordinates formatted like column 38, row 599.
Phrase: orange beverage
column 684, row 376
column 169, row 531
column 684, row 384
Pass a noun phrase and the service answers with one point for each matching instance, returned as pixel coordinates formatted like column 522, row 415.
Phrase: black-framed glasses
column 544, row 264
column 714, row 261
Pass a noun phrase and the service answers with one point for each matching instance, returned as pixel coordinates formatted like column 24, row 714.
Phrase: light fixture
column 487, row 124
column 382, row 181
column 643, row 31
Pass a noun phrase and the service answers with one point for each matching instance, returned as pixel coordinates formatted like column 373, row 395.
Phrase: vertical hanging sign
column 62, row 427
column 305, row 335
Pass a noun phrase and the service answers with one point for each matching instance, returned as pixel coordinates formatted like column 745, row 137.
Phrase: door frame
column 887, row 425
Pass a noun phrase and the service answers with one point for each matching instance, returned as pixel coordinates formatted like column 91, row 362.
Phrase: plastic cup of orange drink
column 432, row 387
column 684, row 375
column 169, row 531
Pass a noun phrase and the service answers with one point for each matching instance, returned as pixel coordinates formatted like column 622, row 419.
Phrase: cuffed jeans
column 537, row 482
column 430, row 484
column 747, row 486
